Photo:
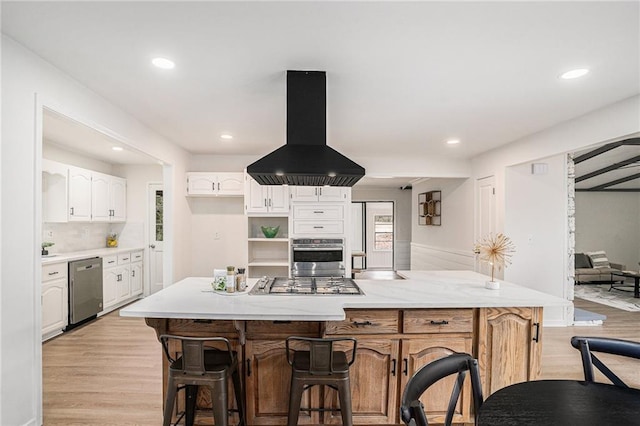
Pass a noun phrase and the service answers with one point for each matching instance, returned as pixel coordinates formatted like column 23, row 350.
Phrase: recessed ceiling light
column 226, row 136
column 164, row 63
column 453, row 141
column 117, row 148
column 279, row 173
column 331, row 174
column 574, row 73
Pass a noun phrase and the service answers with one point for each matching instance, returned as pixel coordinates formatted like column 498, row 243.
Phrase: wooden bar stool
column 202, row 366
column 319, row 364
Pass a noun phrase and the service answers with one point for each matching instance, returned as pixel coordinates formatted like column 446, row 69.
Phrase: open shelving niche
column 268, row 256
column 429, row 208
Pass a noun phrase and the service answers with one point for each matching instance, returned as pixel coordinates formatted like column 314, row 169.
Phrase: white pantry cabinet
column 54, row 298
column 215, row 184
column 54, row 191
column 269, row 199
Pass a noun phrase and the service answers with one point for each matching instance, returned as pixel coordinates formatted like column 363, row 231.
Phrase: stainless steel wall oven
column 317, row 257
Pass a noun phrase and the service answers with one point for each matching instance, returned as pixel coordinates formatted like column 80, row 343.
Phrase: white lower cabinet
column 122, row 279
column 54, row 298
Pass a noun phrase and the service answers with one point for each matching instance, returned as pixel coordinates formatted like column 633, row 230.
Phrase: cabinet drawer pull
column 405, row 369
column 318, row 211
column 281, row 322
column 393, row 368
column 202, row 321
column 318, row 227
column 362, row 323
column 111, row 261
column 53, row 273
column 443, row 322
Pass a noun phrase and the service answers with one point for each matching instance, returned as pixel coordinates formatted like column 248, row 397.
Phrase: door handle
column 536, row 338
column 71, row 211
column 405, row 369
column 248, row 367
column 152, row 246
column 393, row 368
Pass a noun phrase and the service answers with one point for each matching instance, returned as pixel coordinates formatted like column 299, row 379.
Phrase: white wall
column 609, row 221
column 450, row 245
column 218, row 234
column 615, row 121
column 537, row 224
column 402, row 204
column 61, row 155
column 28, row 83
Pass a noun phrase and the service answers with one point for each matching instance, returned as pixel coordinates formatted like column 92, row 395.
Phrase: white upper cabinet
column 263, row 199
column 319, row 193
column 74, row 194
column 54, row 191
column 108, row 198
column 79, row 194
column 215, row 184
column 118, row 199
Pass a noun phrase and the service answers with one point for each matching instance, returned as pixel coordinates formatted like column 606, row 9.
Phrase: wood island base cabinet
column 392, row 345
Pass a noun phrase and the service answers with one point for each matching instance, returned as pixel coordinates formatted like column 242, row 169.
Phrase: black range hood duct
column 306, row 160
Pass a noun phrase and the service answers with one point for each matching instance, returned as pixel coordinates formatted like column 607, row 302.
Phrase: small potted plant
column 496, row 250
column 45, row 245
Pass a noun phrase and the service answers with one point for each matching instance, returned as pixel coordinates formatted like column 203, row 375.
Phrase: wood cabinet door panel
column 507, row 351
column 419, row 352
column 374, row 384
column 268, row 378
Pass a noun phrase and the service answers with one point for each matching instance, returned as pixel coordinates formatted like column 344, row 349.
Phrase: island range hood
column 305, row 159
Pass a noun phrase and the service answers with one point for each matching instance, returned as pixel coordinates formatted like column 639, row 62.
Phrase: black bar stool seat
column 320, row 365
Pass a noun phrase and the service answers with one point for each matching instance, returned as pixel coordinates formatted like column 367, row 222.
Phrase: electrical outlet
column 216, row 236
column 49, row 234
column 85, row 232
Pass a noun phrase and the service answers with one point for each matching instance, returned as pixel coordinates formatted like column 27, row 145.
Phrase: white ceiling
column 402, row 77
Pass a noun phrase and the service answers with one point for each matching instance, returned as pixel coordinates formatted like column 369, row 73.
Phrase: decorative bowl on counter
column 270, row 231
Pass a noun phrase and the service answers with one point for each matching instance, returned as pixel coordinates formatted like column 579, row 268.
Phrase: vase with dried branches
column 496, row 250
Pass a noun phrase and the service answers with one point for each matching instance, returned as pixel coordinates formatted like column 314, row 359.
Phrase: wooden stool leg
column 220, row 403
column 295, row 397
column 169, row 403
column 344, row 394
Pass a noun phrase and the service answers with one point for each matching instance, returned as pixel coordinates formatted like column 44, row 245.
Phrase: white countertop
column 84, row 254
column 193, row 298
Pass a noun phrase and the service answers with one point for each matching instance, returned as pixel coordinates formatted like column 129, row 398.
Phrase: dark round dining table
column 561, row 402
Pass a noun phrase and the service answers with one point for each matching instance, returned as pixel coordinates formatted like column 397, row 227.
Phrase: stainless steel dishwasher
column 85, row 290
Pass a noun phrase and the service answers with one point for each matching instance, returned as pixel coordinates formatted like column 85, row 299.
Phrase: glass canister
column 241, row 280
column 231, row 279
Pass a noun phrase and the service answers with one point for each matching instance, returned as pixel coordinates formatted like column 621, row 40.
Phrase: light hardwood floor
column 109, row 372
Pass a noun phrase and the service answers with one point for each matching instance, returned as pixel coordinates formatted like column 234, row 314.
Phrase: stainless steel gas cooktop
column 306, row 286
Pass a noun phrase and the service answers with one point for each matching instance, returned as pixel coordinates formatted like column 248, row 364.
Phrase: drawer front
column 109, row 261
column 137, row 256
column 315, row 228
column 188, row 327
column 365, row 322
column 124, row 258
column 438, row 321
column 54, row 271
column 282, row 328
column 318, row 212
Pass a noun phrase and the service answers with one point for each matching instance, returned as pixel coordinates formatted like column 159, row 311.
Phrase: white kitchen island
column 400, row 325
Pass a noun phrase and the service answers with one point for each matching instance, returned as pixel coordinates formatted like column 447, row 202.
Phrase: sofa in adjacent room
column 594, row 267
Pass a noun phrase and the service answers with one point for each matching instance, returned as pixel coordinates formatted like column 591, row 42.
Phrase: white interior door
column 486, row 212
column 156, row 234
column 380, row 235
